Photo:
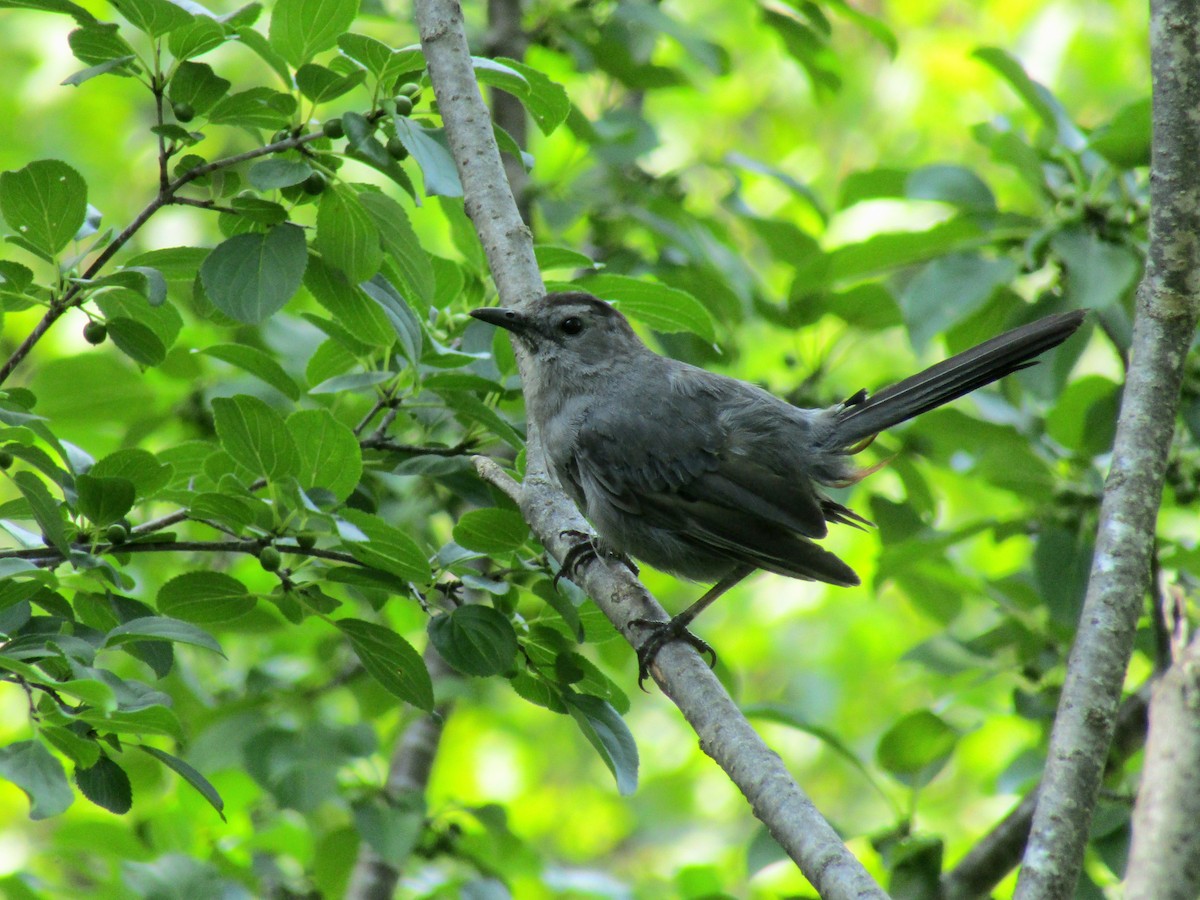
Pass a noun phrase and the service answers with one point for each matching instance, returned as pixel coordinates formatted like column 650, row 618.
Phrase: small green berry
column 410, row 89
column 306, row 540
column 269, row 558
column 396, row 148
column 404, row 105
column 314, row 183
column 281, row 135
column 334, row 128
column 95, row 332
column 184, row 112
column 6, row 459
column 117, row 533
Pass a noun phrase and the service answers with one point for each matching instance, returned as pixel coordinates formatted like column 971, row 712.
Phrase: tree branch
column 724, row 732
column 1164, row 860
column 374, row 878
column 999, row 851
column 1164, row 326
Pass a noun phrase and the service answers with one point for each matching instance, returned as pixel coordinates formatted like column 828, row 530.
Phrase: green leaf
column 137, row 341
column 491, row 530
column 138, row 466
column 401, row 316
column 386, row 547
column 78, row 13
column 661, row 307
column 47, row 511
column 106, row 784
column 470, row 408
column 884, row 252
column 301, row 28
column 258, row 363
column 347, row 303
column 400, row 242
column 391, row 825
column 161, row 628
column 1084, row 418
column 196, row 39
column 916, row 748
column 428, row 148
column 256, row 436
column 347, row 237
column 120, row 66
column 100, row 42
column 45, row 203
column 270, row 174
column 546, row 100
column 150, row 720
column 1035, row 95
column 607, row 732
column 381, row 60
column 204, row 598
column 81, row 751
column 330, row 457
column 29, row 766
column 197, row 85
column 190, row 775
column 258, row 107
column 104, row 500
column 319, row 84
column 1062, row 563
column 552, row 257
column 251, row 276
column 956, row 185
column 154, row 17
column 475, row 640
column 390, row 660
column 949, row 290
column 236, row 512
column 1125, row 141
column 1099, row 272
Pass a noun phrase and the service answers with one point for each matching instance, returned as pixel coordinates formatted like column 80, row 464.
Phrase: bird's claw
column 662, row 633
column 586, row 545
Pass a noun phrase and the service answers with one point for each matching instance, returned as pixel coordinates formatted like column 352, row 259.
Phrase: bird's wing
column 676, row 466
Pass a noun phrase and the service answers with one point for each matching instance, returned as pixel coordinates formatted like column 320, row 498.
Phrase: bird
column 704, row 476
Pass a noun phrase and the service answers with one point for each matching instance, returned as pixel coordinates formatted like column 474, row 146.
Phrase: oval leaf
column 390, row 660
column 330, row 457
column 251, row 276
column 161, row 628
column 491, row 530
column 256, row 436
column 204, row 598
column 475, row 640
column 45, row 203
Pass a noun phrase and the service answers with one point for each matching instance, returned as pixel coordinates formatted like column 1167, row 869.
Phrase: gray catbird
column 704, row 476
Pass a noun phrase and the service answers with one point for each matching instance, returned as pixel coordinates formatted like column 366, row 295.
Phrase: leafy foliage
column 265, row 453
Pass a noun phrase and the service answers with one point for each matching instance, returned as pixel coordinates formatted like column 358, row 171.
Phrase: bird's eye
column 571, row 325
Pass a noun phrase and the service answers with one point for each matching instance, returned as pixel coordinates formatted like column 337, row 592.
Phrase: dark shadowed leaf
column 475, row 640
column 106, row 784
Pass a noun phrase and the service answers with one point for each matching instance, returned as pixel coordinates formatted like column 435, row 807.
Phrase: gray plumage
column 702, row 475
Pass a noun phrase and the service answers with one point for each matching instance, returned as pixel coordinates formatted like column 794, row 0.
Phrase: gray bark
column 1164, row 327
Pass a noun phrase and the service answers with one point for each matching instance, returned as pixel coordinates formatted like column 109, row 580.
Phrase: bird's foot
column 587, row 545
column 662, row 633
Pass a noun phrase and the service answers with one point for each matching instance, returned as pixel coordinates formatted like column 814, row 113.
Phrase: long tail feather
column 864, row 416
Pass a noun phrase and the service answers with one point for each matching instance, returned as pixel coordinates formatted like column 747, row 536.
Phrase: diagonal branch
column 724, row 732
column 1164, row 327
